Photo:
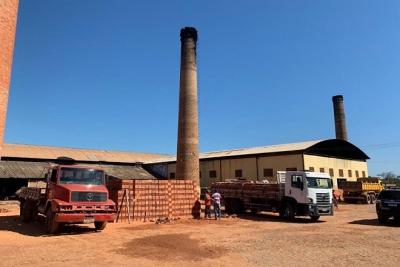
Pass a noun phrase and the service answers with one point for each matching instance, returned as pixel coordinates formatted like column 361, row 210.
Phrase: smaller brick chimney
column 340, row 118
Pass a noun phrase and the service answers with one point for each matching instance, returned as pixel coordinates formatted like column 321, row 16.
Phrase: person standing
column 216, row 197
column 207, row 203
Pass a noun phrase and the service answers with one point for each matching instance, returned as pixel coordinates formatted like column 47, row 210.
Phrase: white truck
column 296, row 193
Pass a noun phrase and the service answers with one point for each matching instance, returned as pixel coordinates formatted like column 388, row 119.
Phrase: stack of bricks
column 146, row 200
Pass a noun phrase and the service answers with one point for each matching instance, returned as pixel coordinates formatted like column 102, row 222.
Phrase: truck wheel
column 382, row 219
column 288, row 211
column 237, row 206
column 373, row 199
column 100, row 225
column 314, row 218
column 52, row 225
column 368, row 199
column 254, row 211
column 228, row 206
column 27, row 211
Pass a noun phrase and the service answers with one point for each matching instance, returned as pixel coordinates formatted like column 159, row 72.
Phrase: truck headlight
column 310, row 200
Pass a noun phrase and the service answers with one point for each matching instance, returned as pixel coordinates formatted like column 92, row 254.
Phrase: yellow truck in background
column 363, row 190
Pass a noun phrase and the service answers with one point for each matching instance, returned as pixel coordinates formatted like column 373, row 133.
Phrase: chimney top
column 189, row 32
column 337, row 98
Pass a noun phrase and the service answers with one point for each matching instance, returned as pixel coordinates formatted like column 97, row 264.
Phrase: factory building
column 339, row 158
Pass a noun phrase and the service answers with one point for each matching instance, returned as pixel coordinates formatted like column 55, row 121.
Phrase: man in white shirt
column 217, row 204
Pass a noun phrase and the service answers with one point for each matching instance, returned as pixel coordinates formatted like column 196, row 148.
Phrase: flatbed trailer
column 295, row 194
column 364, row 190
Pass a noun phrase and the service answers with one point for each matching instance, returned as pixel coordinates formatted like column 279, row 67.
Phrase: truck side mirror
column 301, row 185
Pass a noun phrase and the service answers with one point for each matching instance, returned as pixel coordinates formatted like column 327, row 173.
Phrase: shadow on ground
column 13, row 223
column 173, row 246
column 374, row 222
column 274, row 218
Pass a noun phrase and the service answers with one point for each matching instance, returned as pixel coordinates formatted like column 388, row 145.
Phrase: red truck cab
column 73, row 194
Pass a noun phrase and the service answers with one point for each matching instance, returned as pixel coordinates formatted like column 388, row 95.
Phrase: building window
column 321, row 169
column 172, row 175
column 268, row 172
column 341, row 173
column 213, row 174
column 311, row 169
column 291, row 169
column 350, row 173
column 238, row 173
column 339, row 181
column 331, row 172
column 363, row 173
column 357, row 174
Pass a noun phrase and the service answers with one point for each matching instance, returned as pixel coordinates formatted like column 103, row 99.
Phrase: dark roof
column 336, row 148
column 37, row 170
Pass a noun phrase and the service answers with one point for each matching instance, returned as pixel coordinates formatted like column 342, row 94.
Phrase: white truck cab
column 309, row 193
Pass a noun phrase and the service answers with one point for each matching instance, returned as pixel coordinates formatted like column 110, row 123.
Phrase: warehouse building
column 339, row 158
column 23, row 165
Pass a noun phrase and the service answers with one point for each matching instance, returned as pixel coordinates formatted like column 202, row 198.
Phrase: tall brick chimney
column 340, row 118
column 187, row 161
column 8, row 24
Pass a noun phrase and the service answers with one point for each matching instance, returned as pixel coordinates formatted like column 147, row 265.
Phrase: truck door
column 296, row 187
column 51, row 182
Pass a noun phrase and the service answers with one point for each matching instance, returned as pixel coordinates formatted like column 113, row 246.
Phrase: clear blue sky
column 105, row 74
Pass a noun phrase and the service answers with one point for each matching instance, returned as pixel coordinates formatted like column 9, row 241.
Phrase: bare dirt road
column 352, row 237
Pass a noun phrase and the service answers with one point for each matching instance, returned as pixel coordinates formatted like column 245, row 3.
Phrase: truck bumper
column 84, row 217
column 320, row 210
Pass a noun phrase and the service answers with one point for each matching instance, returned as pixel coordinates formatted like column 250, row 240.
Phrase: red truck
column 73, row 195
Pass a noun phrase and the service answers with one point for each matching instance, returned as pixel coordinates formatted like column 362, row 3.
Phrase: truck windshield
column 315, row 182
column 81, row 176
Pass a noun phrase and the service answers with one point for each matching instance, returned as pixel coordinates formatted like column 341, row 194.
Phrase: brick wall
column 8, row 21
column 154, row 199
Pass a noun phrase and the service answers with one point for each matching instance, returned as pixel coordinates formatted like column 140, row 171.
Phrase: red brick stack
column 153, row 199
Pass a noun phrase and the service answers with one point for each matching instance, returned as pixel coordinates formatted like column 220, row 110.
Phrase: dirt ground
column 352, row 237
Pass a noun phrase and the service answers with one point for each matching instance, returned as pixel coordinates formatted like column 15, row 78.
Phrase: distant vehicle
column 364, row 190
column 297, row 193
column 388, row 205
column 72, row 194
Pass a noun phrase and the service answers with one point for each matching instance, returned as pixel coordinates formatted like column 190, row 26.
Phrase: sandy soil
column 352, row 237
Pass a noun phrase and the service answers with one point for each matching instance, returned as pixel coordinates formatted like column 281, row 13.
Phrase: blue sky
column 105, row 74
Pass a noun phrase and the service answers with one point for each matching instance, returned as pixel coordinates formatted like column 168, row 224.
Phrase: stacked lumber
column 144, row 200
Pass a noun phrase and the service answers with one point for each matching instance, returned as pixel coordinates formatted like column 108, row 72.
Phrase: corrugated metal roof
column 49, row 152
column 37, row 170
column 301, row 146
column 21, row 169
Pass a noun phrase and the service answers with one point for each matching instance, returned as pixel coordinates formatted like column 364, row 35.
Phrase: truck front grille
column 323, row 198
column 89, row 196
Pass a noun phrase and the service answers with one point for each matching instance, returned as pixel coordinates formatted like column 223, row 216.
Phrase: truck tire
column 27, row 211
column 51, row 225
column 237, row 206
column 288, row 211
column 228, row 206
column 382, row 219
column 373, row 199
column 100, row 225
column 314, row 218
column 367, row 199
